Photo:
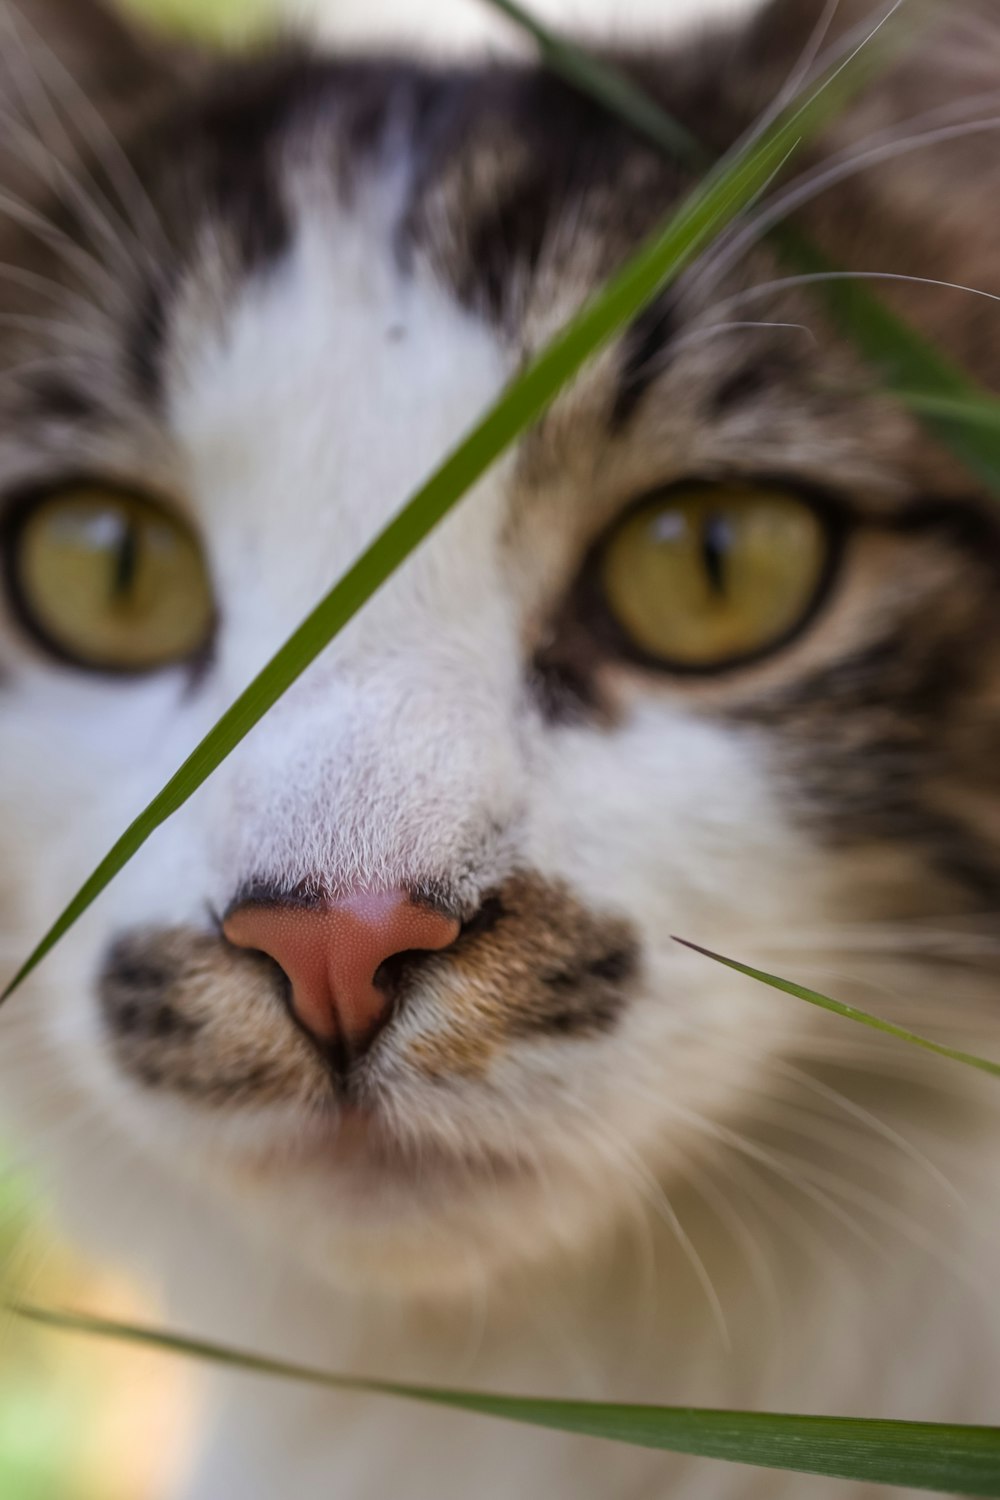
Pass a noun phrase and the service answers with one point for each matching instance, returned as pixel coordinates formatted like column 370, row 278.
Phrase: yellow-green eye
column 704, row 577
column 111, row 580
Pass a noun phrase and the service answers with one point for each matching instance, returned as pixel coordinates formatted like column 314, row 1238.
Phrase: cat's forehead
column 514, row 193
column 328, row 386
column 371, row 251
column 363, row 252
column 392, row 222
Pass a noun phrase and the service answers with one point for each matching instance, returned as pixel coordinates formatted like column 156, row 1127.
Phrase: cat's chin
column 391, row 1218
column 381, row 1172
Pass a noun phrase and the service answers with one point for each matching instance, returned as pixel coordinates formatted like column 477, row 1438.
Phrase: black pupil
column 125, row 561
column 716, row 541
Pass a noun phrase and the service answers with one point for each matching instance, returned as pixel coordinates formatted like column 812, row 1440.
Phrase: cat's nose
column 331, row 954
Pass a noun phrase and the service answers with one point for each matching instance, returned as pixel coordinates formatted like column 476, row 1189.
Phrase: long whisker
column 17, row 376
column 815, row 184
column 802, row 70
column 812, row 1172
column 647, row 1183
column 713, row 330
column 754, row 1253
column 775, row 1208
column 97, row 133
column 64, row 245
column 840, row 57
column 57, row 174
column 856, row 1111
column 796, row 1179
column 74, row 333
column 802, row 1080
column 45, row 286
column 815, row 278
column 848, row 50
column 954, row 110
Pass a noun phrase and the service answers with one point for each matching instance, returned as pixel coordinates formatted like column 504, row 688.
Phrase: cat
column 380, row 1055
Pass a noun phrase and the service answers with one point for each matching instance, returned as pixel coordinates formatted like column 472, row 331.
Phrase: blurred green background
column 225, row 18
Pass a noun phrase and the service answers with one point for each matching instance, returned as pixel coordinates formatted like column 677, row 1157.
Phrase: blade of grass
column 950, row 408
column 952, row 1459
column 707, row 209
column 909, row 365
column 851, row 1012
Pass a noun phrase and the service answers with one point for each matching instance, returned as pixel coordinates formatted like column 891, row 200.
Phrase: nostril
column 334, row 954
column 395, row 973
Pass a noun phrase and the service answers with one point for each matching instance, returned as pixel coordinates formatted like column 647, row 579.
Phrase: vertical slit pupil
column 126, row 561
column 715, row 540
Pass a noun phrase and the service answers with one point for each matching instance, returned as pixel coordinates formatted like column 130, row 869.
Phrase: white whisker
column 646, row 1182
column 755, row 1255
column 62, row 180
column 98, row 135
column 58, row 240
column 798, row 78
column 46, row 286
column 814, row 184
column 817, row 278
column 701, row 335
column 74, row 333
column 850, row 1107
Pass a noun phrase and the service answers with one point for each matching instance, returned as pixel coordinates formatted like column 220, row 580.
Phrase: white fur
column 470, row 25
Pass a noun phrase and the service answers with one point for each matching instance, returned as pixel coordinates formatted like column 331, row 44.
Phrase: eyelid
column 24, row 495
column 840, row 511
column 839, row 508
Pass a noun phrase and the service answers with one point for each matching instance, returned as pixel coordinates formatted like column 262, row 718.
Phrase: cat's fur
column 588, row 1161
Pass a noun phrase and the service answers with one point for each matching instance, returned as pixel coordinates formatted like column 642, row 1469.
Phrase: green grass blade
column 687, row 231
column 953, row 408
column 958, row 411
column 851, row 1012
column 952, row 1459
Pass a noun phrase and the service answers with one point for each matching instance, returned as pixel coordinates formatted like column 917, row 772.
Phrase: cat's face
column 706, row 654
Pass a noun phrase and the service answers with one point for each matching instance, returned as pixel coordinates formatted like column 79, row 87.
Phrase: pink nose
column 331, row 954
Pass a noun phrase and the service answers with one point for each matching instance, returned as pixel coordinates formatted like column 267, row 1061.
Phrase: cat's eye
column 110, row 580
column 706, row 577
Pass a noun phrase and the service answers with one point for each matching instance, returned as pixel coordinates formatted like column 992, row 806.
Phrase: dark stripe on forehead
column 59, row 397
column 144, row 342
column 504, row 168
column 518, row 172
column 235, row 138
column 644, row 356
column 217, row 161
column 749, row 382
